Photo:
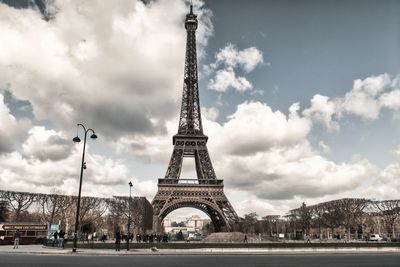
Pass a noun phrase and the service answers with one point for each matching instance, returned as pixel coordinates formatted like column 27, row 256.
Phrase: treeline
column 96, row 214
column 349, row 218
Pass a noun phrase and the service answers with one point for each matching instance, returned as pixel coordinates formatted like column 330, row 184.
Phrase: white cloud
column 254, row 127
column 247, row 59
column 95, row 54
column 397, row 151
column 36, row 174
column 150, row 148
column 362, row 100
column 226, row 78
column 365, row 100
column 206, row 28
column 211, row 113
column 12, row 130
column 260, row 206
column 145, row 188
column 391, row 99
column 387, row 185
column 45, row 144
column 322, row 110
column 227, row 61
column 99, row 63
column 268, row 154
column 324, row 147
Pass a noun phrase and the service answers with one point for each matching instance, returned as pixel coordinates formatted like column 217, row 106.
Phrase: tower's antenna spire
column 191, row 7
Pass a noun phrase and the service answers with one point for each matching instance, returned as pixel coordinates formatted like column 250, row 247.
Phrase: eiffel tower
column 205, row 193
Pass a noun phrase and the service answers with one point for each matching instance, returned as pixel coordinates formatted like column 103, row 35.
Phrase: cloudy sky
column 300, row 99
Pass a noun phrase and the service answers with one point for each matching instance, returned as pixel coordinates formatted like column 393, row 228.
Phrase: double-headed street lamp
column 83, row 166
column 129, row 215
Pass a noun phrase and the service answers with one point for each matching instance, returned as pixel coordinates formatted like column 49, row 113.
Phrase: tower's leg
column 204, row 162
column 157, row 228
column 175, row 164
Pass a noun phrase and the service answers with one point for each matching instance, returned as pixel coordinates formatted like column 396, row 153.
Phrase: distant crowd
column 152, row 238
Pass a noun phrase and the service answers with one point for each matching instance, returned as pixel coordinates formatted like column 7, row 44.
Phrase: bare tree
column 3, row 211
column 91, row 209
column 18, row 202
column 69, row 213
column 390, row 212
column 346, row 212
column 333, row 215
column 248, row 222
column 57, row 206
column 353, row 211
column 317, row 218
column 302, row 218
column 270, row 222
column 52, row 206
column 118, row 206
column 140, row 212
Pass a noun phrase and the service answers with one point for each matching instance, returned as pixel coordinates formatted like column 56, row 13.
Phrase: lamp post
column 129, row 215
column 83, row 166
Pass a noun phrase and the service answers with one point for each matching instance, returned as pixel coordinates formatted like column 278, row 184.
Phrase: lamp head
column 93, row 136
column 76, row 139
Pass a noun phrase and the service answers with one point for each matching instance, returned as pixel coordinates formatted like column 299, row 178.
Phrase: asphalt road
column 317, row 260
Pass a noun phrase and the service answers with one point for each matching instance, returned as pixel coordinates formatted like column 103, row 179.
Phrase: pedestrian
column 17, row 235
column 61, row 239
column 245, row 239
column 87, row 237
column 117, row 241
column 55, row 240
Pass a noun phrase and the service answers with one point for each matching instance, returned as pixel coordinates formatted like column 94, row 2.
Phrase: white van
column 374, row 237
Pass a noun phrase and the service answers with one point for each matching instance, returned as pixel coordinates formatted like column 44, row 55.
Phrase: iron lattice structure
column 205, row 193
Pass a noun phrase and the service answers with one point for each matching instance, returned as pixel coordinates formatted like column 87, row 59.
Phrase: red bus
column 31, row 233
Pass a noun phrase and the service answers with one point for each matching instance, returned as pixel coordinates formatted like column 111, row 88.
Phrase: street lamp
column 129, row 215
column 83, row 166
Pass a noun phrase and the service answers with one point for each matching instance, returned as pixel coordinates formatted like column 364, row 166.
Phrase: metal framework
column 206, row 192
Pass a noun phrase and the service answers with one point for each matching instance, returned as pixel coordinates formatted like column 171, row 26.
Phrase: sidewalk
column 40, row 250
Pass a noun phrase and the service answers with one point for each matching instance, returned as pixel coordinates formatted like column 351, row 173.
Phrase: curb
column 208, row 252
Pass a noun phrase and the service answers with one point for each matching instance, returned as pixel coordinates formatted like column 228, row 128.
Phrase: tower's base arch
column 205, row 206
column 207, row 197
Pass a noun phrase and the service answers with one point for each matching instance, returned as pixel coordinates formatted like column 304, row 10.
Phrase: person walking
column 55, row 240
column 17, row 235
column 117, row 241
column 61, row 235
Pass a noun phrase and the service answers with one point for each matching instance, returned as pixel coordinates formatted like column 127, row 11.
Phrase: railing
column 197, row 182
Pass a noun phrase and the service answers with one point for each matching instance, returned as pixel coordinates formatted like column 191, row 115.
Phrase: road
column 309, row 260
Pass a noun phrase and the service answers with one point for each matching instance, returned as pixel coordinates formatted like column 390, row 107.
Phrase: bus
column 31, row 233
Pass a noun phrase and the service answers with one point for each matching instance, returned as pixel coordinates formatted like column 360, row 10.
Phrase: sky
column 300, row 99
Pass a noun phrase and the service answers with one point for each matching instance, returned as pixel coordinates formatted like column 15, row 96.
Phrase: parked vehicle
column 375, row 237
column 31, row 233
